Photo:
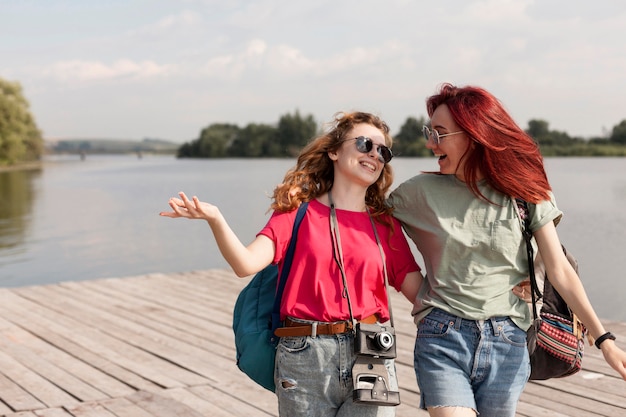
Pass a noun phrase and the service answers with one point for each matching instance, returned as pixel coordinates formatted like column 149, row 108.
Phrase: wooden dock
column 162, row 345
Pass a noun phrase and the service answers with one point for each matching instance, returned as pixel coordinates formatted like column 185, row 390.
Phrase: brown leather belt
column 298, row 328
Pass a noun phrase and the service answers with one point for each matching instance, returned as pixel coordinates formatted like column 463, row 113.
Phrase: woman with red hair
column 470, row 352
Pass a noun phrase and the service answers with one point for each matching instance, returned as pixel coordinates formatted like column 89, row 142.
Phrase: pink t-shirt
column 314, row 288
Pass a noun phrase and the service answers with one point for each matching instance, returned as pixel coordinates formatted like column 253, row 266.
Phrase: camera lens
column 384, row 340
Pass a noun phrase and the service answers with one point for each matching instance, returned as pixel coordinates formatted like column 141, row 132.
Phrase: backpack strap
column 524, row 214
column 284, row 273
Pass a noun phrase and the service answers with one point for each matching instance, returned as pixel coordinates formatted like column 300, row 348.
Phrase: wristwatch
column 607, row 335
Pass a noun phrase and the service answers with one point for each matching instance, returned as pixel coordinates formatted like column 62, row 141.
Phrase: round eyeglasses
column 436, row 136
column 365, row 145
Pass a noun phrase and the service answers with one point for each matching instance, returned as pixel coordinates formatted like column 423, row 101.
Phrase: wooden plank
column 37, row 387
column 564, row 402
column 587, row 392
column 532, row 410
column 184, row 355
column 22, row 414
column 197, row 403
column 225, row 400
column 142, row 309
column 92, row 340
column 205, row 291
column 4, row 409
column 89, row 410
column 598, row 384
column 15, row 342
column 82, row 376
column 182, row 328
column 149, row 313
column 112, row 347
column 52, row 333
column 52, row 412
column 160, row 406
column 170, row 298
column 16, row 397
column 122, row 407
column 153, row 315
column 208, row 333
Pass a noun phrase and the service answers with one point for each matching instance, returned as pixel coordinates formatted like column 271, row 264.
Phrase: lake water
column 97, row 218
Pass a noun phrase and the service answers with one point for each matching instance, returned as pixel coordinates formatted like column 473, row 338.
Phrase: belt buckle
column 314, row 329
column 350, row 325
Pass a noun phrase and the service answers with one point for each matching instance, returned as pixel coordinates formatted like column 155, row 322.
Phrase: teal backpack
column 257, row 315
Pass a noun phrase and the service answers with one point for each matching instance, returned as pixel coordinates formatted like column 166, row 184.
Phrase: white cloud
column 287, row 59
column 256, row 47
column 77, row 70
column 196, row 61
column 257, row 57
column 498, row 10
column 184, row 20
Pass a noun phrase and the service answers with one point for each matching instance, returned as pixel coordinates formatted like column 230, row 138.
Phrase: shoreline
column 22, row 166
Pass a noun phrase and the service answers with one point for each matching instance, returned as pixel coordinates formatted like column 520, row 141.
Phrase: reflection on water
column 16, row 205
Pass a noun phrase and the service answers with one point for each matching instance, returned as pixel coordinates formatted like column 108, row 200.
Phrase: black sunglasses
column 365, row 144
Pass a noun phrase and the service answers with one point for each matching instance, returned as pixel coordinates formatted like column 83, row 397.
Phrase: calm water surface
column 97, row 218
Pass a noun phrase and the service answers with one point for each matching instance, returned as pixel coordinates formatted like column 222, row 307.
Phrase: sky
column 167, row 69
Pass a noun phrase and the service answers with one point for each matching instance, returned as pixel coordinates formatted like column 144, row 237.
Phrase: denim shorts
column 314, row 378
column 477, row 364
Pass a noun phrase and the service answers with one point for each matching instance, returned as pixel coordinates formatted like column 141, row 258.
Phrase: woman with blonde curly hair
column 344, row 176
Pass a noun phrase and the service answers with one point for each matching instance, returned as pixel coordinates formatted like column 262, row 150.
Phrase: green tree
column 618, row 134
column 213, row 142
column 20, row 139
column 253, row 141
column 410, row 140
column 293, row 133
column 540, row 131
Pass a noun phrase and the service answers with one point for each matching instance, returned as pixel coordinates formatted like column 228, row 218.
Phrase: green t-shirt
column 474, row 251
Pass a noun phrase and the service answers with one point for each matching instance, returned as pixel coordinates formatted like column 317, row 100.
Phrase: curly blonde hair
column 313, row 173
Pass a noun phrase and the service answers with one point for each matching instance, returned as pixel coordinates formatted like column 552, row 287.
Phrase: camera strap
column 382, row 255
column 338, row 255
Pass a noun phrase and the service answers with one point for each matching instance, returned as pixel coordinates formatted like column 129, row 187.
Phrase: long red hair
column 506, row 156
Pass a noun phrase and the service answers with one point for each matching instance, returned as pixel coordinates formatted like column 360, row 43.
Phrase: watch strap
column 605, row 336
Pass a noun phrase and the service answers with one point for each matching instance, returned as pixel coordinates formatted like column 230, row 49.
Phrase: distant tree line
column 556, row 143
column 294, row 131
column 21, row 140
column 224, row 140
column 111, row 146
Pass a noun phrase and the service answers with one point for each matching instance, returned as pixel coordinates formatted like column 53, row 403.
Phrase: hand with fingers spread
column 244, row 260
column 191, row 209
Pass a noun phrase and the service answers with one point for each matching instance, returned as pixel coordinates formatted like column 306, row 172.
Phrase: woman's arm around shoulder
column 245, row 260
column 565, row 280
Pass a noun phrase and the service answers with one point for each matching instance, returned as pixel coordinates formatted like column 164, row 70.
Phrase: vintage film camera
column 373, row 344
column 375, row 340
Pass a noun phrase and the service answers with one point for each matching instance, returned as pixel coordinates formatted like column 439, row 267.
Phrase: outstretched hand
column 190, row 209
